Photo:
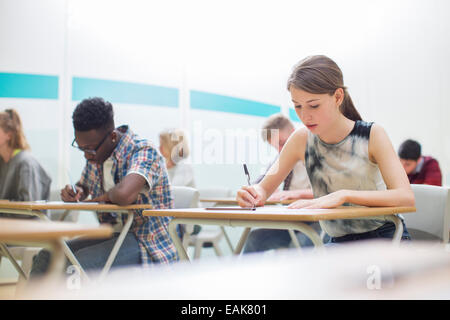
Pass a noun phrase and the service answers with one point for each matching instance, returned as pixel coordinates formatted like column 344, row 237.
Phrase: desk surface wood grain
column 233, row 201
column 37, row 230
column 58, row 205
column 281, row 213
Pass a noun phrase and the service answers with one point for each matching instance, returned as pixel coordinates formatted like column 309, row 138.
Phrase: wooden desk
column 274, row 218
column 232, row 201
column 35, row 231
column 37, row 208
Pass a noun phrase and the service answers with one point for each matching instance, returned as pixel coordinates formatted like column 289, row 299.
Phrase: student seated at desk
column 22, row 178
column 120, row 169
column 276, row 130
column 349, row 161
column 420, row 169
column 174, row 146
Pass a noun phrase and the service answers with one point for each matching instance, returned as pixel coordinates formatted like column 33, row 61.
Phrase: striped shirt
column 133, row 155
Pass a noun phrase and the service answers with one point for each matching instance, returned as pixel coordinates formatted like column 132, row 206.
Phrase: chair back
column 215, row 192
column 185, row 197
column 431, row 221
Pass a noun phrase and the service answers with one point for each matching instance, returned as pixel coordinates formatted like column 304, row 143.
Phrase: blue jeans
column 386, row 231
column 269, row 239
column 92, row 254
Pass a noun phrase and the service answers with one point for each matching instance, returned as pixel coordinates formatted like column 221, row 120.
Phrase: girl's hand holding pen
column 250, row 196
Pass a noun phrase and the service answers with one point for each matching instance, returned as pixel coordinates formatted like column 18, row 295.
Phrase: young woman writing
column 349, row 161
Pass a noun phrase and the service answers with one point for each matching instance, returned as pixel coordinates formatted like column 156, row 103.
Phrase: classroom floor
column 8, row 279
column 7, row 291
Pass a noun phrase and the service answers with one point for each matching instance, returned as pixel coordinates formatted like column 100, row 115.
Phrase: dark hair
column 93, row 113
column 10, row 122
column 410, row 150
column 318, row 75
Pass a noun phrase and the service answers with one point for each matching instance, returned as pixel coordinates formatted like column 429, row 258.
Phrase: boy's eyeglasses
column 90, row 151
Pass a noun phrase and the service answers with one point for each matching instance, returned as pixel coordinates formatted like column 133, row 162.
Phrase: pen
column 248, row 181
column 73, row 186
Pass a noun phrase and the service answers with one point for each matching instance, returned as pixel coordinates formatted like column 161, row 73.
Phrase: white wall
column 393, row 55
column 32, row 42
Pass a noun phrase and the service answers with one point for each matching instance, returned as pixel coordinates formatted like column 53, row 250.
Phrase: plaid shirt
column 132, row 155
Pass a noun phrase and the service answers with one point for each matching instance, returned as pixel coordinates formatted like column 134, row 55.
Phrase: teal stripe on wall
column 124, row 92
column 293, row 115
column 34, row 86
column 214, row 102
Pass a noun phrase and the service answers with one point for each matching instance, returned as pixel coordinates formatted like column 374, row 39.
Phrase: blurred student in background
column 174, row 147
column 276, row 131
column 22, row 178
column 420, row 169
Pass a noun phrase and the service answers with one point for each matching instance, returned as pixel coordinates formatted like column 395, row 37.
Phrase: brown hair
column 10, row 123
column 276, row 121
column 176, row 143
column 318, row 75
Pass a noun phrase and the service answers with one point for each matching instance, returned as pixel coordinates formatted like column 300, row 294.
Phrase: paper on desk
column 62, row 202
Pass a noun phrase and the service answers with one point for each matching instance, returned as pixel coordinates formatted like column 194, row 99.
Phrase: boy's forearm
column 127, row 191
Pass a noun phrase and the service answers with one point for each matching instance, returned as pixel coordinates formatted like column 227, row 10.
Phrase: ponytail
column 348, row 109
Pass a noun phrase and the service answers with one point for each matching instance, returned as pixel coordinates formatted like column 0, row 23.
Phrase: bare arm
column 291, row 194
column 398, row 191
column 292, row 152
column 127, row 191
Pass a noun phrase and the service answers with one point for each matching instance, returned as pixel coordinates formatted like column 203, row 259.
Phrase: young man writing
column 120, row 169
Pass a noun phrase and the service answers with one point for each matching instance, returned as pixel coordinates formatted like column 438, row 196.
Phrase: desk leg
column 117, row 245
column 176, row 239
column 64, row 215
column 294, row 239
column 57, row 262
column 284, row 225
column 242, row 241
column 227, row 238
column 69, row 254
column 398, row 228
column 8, row 254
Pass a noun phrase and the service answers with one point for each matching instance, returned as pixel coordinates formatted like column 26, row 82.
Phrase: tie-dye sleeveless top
column 344, row 165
